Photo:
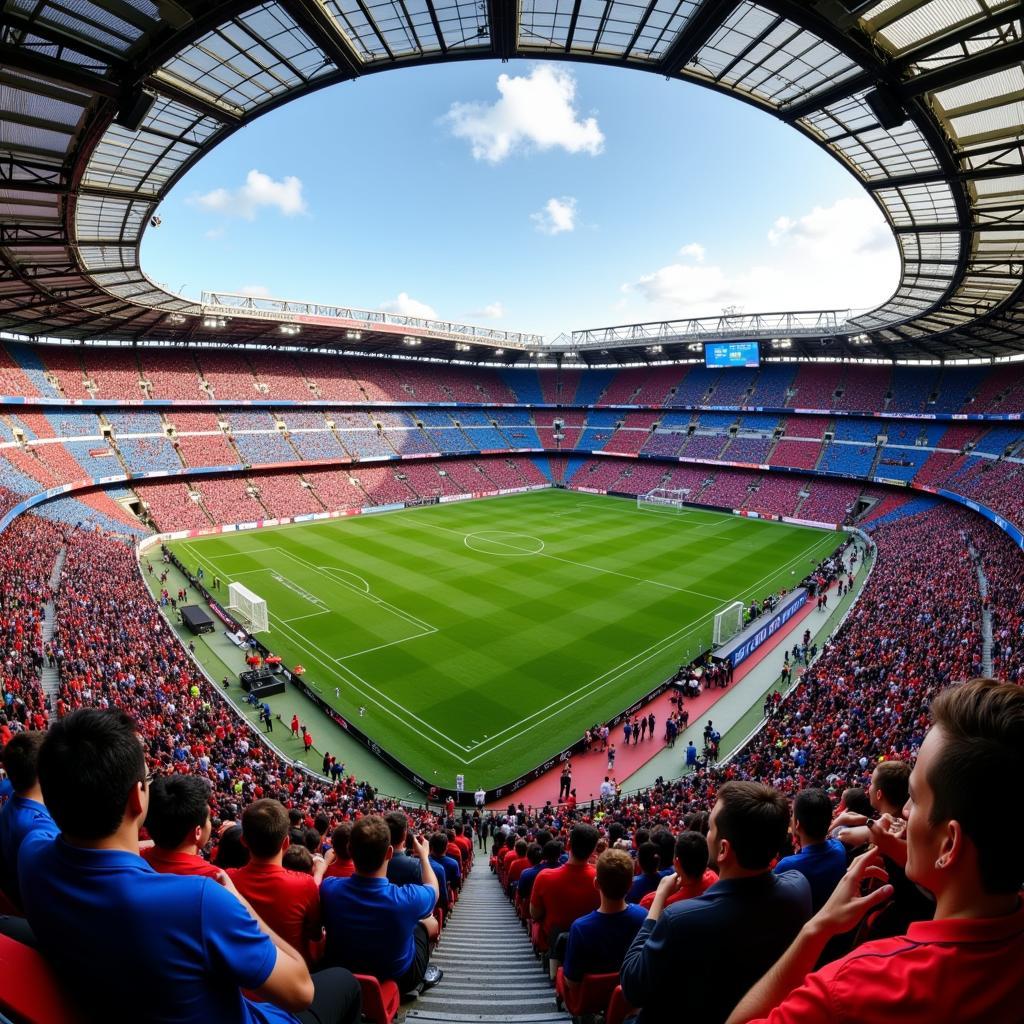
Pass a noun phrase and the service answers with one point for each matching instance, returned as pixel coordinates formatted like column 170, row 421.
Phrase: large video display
column 731, row 353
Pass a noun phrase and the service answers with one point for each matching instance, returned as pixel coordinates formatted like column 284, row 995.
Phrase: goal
column 663, row 498
column 248, row 607
column 728, row 622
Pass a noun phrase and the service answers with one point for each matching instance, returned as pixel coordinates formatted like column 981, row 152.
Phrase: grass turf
column 482, row 637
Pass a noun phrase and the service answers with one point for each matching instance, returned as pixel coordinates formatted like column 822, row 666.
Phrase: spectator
column 376, row 927
column 339, row 857
column 820, row 860
column 25, row 812
column 650, row 876
column 690, row 861
column 711, row 947
column 534, row 866
column 287, row 900
column 178, row 822
column 963, row 845
column 598, row 941
column 402, row 869
column 889, row 793
column 298, row 859
column 439, row 855
column 231, row 852
column 562, row 895
column 177, row 948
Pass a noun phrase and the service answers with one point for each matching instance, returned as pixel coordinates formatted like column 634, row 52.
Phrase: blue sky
column 531, row 196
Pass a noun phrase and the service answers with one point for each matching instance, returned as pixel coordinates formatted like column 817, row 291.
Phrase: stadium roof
column 85, row 157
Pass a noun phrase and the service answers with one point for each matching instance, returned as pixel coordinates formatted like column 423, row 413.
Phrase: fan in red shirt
column 178, row 822
column 289, row 901
column 339, row 857
column 561, row 895
column 960, row 842
column 690, row 860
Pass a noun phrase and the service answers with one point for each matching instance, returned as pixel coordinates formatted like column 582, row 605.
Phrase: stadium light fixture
column 290, row 329
column 177, row 318
column 410, row 340
column 694, row 346
column 654, row 349
column 353, row 335
column 499, row 351
column 461, row 346
column 216, row 322
column 860, row 339
column 782, row 342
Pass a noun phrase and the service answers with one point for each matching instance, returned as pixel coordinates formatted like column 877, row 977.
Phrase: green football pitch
column 482, row 637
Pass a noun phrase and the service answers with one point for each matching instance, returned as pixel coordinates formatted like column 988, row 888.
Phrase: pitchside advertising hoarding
column 743, row 645
column 718, row 354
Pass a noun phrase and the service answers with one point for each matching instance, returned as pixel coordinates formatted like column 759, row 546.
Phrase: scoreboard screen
column 731, row 353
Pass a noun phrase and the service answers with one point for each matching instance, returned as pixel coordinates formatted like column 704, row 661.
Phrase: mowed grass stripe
column 529, row 650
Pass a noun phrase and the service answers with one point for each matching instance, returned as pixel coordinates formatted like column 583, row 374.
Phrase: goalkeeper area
column 482, row 637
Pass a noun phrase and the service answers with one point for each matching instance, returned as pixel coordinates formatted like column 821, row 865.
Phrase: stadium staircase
column 490, row 971
column 50, row 679
column 986, row 613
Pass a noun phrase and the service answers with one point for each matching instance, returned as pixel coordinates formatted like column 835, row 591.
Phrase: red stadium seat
column 30, row 993
column 381, row 999
column 618, row 1009
column 592, row 995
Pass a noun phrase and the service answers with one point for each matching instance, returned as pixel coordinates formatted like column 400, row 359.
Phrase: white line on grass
column 569, row 561
column 306, row 645
column 587, row 687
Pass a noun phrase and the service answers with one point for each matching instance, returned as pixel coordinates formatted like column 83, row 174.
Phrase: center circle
column 501, row 542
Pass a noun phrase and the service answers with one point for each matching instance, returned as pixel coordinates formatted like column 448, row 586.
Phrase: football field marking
column 650, row 652
column 334, row 667
column 569, row 561
column 579, row 693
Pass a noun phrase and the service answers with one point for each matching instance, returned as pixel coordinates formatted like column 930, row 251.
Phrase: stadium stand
column 815, row 386
column 228, row 374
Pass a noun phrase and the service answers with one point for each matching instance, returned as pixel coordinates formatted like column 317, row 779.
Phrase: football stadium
column 459, row 662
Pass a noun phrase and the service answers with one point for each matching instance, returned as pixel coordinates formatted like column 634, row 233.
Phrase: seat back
column 381, row 999
column 30, row 991
column 618, row 1009
column 592, row 995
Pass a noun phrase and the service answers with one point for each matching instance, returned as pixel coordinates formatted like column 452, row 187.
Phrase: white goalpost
column 728, row 622
column 248, row 607
column 664, row 499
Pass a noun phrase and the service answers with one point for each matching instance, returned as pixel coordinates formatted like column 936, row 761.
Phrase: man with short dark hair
column 963, row 844
column 820, row 860
column 402, row 869
column 25, row 811
column 439, row 855
column 123, row 937
column 178, row 822
column 562, row 895
column 690, row 861
column 599, row 940
column 678, row 957
column 376, row 927
column 289, row 901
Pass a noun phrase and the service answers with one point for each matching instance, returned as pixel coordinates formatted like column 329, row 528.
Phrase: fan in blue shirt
column 598, row 941
column 821, row 861
column 24, row 812
column 130, row 942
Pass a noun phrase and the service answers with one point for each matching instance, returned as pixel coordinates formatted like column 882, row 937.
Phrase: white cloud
column 556, row 216
column 534, row 111
column 492, row 311
column 255, row 291
column 213, row 234
column 405, row 305
column 259, row 190
column 835, row 257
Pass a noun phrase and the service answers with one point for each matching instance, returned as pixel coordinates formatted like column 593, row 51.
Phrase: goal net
column 663, row 499
column 248, row 607
column 728, row 622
